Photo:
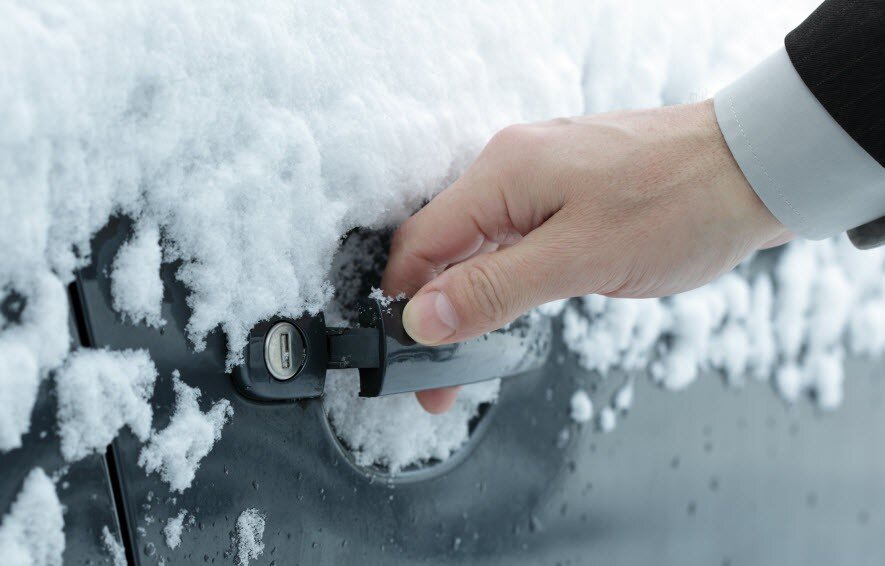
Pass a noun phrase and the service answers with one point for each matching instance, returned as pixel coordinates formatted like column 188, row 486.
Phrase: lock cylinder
column 284, row 350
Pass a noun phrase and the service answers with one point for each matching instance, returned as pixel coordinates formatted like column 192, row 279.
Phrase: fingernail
column 430, row 318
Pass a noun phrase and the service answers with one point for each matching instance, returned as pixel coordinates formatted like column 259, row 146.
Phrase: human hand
column 627, row 204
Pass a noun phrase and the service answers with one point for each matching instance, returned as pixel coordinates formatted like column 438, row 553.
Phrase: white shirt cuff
column 814, row 178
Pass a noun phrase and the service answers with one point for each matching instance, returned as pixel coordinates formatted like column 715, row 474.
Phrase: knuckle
column 485, row 293
column 561, row 122
column 512, row 150
column 515, row 135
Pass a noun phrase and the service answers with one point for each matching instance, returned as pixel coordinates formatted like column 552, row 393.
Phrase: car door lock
column 287, row 359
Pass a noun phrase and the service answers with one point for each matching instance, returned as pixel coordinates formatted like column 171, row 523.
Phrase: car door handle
column 287, row 359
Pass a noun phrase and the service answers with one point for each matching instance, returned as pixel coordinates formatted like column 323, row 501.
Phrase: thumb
column 484, row 293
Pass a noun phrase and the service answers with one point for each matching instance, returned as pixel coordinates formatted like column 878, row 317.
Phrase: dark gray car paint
column 84, row 489
column 707, row 476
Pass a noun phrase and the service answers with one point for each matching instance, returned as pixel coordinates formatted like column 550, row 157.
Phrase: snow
column 612, row 334
column 113, row 547
column 176, row 451
column 135, row 280
column 581, row 406
column 867, row 329
column 30, row 347
column 553, row 308
column 99, row 392
column 249, row 543
column 824, row 375
column 760, row 331
column 383, row 299
column 18, row 391
column 32, row 532
column 251, row 140
column 826, row 299
column 245, row 143
column 607, row 419
column 173, row 529
column 623, row 399
column 394, row 432
column 788, row 382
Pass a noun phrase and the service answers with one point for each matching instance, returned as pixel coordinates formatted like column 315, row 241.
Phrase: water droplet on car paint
column 150, row 549
column 562, row 438
column 811, row 499
column 535, row 524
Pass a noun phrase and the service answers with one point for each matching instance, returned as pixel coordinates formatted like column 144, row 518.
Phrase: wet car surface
column 711, row 475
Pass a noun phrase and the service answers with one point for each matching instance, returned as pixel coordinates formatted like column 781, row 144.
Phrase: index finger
column 455, row 225
column 458, row 223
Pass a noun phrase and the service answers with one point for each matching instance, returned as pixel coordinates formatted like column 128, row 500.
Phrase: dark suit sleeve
column 839, row 52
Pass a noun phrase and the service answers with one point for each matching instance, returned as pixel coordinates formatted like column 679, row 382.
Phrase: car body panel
column 710, row 475
column 84, row 487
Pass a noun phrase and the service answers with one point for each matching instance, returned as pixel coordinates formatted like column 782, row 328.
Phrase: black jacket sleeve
column 839, row 52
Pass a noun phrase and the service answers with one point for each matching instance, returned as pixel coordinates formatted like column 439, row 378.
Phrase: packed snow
column 245, row 141
column 174, row 528
column 794, row 331
column 99, row 392
column 394, row 432
column 18, row 392
column 32, row 532
column 623, row 398
column 113, row 547
column 34, row 343
column 135, row 280
column 176, row 451
column 249, row 538
column 581, row 406
column 607, row 419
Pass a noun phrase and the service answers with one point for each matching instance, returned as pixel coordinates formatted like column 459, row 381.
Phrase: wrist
column 742, row 207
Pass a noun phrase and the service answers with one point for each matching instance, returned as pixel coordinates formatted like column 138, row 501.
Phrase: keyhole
column 285, row 350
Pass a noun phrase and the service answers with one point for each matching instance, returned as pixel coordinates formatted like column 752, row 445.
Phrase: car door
column 85, row 488
column 708, row 476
